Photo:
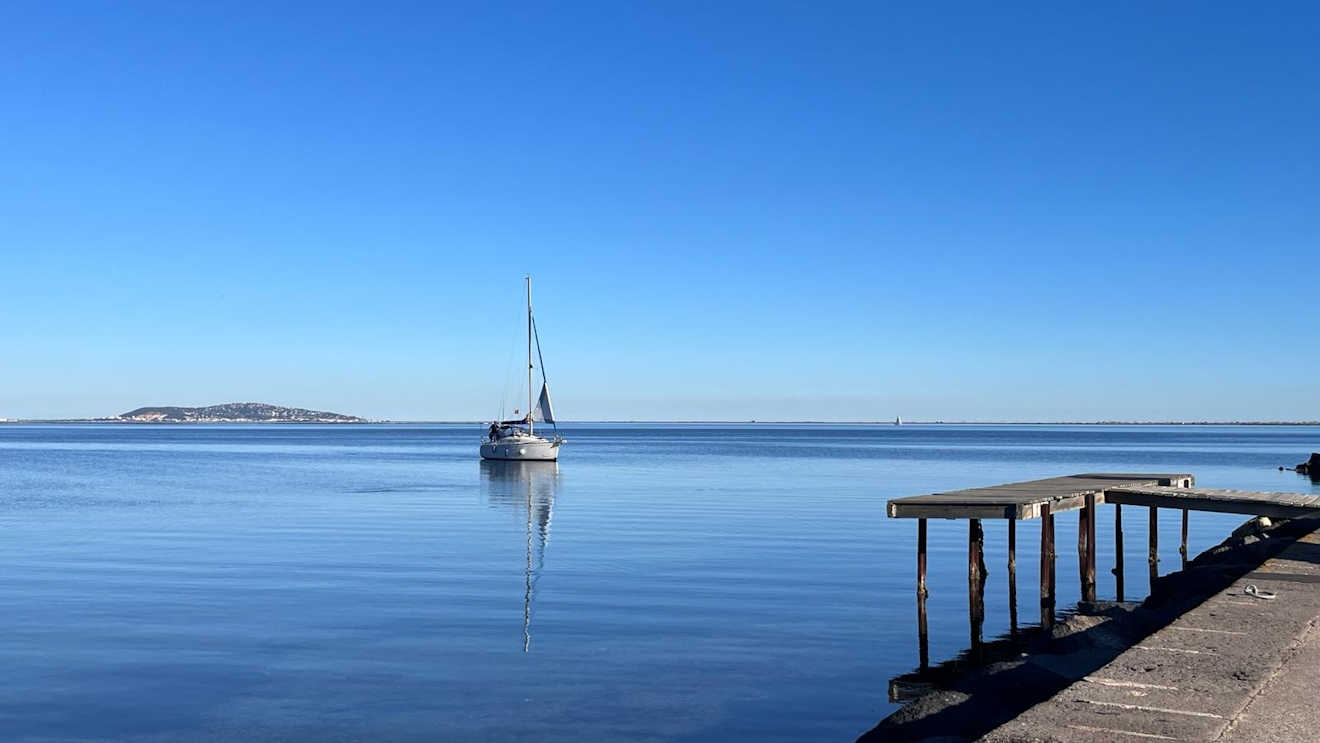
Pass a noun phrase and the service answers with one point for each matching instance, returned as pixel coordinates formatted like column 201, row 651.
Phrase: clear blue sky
column 807, row 211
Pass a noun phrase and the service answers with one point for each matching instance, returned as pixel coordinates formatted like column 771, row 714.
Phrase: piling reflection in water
column 529, row 487
column 943, row 675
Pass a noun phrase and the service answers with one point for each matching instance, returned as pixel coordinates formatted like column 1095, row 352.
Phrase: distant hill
column 235, row 412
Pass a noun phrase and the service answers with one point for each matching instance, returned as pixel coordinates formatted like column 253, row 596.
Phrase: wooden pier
column 1024, row 500
column 1044, row 499
column 1019, row 501
column 1274, row 505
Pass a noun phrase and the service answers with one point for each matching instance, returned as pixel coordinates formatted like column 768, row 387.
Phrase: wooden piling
column 975, row 582
column 923, row 639
column 1054, row 572
column 1153, row 558
column 1118, row 552
column 1083, row 515
column 1182, row 548
column 1088, row 558
column 1046, row 567
column 1012, row 578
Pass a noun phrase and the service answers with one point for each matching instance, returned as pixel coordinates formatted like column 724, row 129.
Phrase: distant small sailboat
column 517, row 439
column 898, row 420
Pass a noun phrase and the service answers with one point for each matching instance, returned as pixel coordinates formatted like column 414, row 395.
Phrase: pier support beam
column 1086, row 548
column 923, row 639
column 1153, row 558
column 1012, row 578
column 1046, row 567
column 975, row 582
column 1182, row 548
column 1118, row 552
column 1082, row 515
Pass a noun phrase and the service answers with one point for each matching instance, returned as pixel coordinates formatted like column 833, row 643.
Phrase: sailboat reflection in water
column 529, row 487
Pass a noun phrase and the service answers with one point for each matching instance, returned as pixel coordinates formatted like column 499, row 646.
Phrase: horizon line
column 744, row 421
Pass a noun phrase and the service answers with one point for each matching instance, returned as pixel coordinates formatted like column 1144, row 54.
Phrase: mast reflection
column 530, row 487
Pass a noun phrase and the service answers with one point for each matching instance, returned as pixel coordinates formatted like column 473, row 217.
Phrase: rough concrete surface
column 1235, row 668
column 1286, row 709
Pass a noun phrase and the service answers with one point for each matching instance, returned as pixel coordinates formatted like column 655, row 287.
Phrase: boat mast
column 530, row 429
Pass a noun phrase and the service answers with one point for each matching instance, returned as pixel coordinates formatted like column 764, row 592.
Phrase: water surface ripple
column 664, row 582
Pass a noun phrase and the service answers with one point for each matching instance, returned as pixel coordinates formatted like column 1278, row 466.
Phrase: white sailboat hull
column 522, row 449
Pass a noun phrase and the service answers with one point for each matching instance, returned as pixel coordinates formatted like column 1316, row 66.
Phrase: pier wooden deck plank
column 1251, row 503
column 1023, row 500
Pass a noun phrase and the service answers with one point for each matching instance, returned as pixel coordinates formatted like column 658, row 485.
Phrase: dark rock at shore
column 1310, row 466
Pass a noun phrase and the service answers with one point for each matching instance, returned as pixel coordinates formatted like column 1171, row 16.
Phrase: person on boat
column 494, row 431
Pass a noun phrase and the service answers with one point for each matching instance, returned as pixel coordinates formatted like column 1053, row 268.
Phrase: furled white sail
column 543, row 411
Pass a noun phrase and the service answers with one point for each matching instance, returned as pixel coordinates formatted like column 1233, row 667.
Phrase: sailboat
column 516, row 439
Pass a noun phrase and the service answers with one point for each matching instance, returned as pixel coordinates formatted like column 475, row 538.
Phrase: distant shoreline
column 120, row 421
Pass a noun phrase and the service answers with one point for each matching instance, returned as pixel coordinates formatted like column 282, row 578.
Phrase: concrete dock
column 1238, row 668
column 1232, row 665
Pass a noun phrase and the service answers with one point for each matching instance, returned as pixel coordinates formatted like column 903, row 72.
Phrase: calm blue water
column 665, row 582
